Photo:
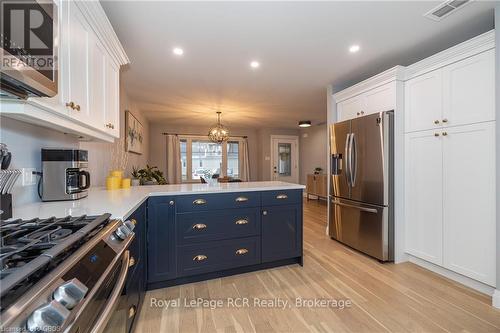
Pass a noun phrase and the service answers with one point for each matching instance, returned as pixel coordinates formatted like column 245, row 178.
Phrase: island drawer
column 278, row 198
column 217, row 225
column 217, row 255
column 202, row 202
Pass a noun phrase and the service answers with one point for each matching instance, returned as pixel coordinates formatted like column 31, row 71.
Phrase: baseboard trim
column 471, row 283
column 495, row 299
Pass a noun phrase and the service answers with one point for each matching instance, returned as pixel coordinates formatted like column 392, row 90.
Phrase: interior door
column 339, row 183
column 285, row 159
column 424, row 195
column 371, row 158
column 469, row 201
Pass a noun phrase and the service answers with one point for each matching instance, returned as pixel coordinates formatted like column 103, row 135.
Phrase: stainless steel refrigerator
column 361, row 200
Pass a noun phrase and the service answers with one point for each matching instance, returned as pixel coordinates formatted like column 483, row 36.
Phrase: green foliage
column 149, row 174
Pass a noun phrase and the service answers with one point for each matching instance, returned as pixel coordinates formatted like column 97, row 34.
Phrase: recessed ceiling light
column 354, row 48
column 178, row 51
column 305, row 123
column 255, row 64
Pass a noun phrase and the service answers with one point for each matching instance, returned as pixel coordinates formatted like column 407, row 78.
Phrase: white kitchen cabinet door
column 78, row 63
column 424, row 102
column 380, row 99
column 351, row 108
column 112, row 114
column 469, row 201
column 424, row 196
column 469, row 90
column 97, row 89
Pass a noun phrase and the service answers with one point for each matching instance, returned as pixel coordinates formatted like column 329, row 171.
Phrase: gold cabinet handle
column 199, row 202
column 131, row 262
column 436, row 134
column 362, row 112
column 110, row 125
column 241, row 252
column 445, row 133
column 357, row 113
column 281, row 196
column 199, row 226
column 445, row 120
column 200, row 257
column 131, row 311
column 171, row 202
column 241, row 199
column 134, row 221
column 241, row 222
column 71, row 105
column 436, row 122
column 77, row 107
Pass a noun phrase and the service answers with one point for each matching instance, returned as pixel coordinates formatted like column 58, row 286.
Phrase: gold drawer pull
column 131, row 311
column 131, row 262
column 71, row 105
column 199, row 226
column 281, row 196
column 134, row 221
column 77, row 107
column 241, row 252
column 240, row 222
column 241, row 199
column 199, row 202
column 200, row 257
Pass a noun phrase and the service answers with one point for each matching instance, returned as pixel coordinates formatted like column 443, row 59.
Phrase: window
column 202, row 158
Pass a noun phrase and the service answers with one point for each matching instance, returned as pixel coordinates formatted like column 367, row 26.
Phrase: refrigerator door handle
column 348, row 159
column 363, row 209
column 353, row 159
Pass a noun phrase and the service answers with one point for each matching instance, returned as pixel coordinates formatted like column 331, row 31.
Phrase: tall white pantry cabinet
column 450, row 194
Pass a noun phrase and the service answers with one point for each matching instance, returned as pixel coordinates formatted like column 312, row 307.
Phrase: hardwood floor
column 385, row 297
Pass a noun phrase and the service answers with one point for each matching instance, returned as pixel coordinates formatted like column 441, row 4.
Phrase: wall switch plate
column 29, row 178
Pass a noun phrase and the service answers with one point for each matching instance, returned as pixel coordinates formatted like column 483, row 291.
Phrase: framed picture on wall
column 134, row 134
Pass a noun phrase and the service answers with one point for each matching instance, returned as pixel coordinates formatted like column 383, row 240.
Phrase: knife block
column 5, row 206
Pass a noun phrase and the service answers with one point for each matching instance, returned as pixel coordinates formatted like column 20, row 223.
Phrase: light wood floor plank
column 385, row 297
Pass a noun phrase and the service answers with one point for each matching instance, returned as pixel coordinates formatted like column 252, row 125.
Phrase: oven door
column 105, row 310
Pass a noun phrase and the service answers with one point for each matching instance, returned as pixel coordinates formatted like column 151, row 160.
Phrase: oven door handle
column 114, row 298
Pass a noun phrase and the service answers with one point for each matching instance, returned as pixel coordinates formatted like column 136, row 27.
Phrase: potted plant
column 318, row 170
column 151, row 175
column 136, row 177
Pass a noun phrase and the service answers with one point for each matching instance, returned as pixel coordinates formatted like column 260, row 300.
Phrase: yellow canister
column 126, row 182
column 113, row 183
column 116, row 173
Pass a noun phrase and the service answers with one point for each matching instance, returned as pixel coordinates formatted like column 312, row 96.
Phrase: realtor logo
column 27, row 33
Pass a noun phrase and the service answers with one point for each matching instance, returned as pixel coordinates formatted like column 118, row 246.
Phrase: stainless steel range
column 62, row 274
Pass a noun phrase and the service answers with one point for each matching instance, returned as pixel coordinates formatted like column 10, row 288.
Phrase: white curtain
column 245, row 167
column 174, row 170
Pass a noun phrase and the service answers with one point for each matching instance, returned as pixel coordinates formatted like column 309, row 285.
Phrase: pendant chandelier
column 218, row 133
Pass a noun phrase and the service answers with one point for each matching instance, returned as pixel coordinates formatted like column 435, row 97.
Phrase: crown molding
column 475, row 45
column 393, row 74
column 99, row 22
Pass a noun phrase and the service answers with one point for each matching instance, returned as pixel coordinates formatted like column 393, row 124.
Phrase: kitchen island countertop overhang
column 123, row 202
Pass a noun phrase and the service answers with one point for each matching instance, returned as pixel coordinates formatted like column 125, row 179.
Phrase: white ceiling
column 302, row 47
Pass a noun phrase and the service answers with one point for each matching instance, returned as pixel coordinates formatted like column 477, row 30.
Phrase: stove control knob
column 70, row 293
column 48, row 318
column 130, row 224
column 122, row 232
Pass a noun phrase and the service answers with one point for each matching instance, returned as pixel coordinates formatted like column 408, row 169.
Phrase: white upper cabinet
column 77, row 64
column 424, row 196
column 351, row 108
column 112, row 109
column 379, row 99
column 424, row 101
column 88, row 99
column 469, row 90
column 469, row 201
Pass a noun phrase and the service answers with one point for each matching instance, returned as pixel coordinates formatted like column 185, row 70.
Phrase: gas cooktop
column 30, row 249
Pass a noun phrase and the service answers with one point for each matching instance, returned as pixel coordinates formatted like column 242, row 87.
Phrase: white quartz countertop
column 121, row 203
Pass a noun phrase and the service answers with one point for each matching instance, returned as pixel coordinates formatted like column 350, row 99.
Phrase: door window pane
column 233, row 159
column 206, row 159
column 184, row 159
column 285, row 159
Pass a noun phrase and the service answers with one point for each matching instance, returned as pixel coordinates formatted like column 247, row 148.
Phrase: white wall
column 313, row 143
column 25, row 141
column 496, row 300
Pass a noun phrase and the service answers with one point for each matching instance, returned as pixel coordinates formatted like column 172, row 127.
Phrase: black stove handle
column 86, row 174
